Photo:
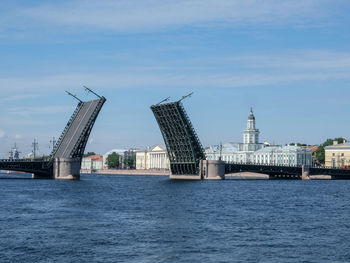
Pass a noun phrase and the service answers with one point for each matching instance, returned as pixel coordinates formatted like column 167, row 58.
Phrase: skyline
column 289, row 61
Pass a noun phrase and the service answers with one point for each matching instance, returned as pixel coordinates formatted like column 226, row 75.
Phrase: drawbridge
column 188, row 160
column 70, row 146
column 184, row 148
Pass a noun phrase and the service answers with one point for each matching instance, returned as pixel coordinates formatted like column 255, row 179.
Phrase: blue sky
column 289, row 60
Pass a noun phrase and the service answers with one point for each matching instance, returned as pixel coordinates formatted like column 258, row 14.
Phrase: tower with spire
column 250, row 134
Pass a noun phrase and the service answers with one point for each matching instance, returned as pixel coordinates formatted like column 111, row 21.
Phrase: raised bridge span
column 188, row 160
column 65, row 159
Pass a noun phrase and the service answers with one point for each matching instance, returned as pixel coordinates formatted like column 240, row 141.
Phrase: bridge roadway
column 68, row 142
column 68, row 151
column 279, row 171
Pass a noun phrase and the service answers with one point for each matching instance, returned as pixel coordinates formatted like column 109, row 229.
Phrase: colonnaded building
column 251, row 151
column 155, row 158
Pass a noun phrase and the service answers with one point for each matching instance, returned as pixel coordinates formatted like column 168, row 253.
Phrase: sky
column 289, row 60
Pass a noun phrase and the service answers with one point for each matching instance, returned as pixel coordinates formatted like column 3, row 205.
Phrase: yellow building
column 337, row 155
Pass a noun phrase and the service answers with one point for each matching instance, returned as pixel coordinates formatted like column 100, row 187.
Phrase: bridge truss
column 182, row 143
column 281, row 171
column 71, row 143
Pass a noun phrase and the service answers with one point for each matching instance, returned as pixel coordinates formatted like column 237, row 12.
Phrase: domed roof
column 251, row 115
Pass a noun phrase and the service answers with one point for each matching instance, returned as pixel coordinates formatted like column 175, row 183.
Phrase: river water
column 110, row 218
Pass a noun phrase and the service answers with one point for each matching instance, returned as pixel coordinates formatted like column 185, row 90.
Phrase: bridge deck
column 39, row 167
column 277, row 170
column 75, row 129
column 183, row 146
column 71, row 144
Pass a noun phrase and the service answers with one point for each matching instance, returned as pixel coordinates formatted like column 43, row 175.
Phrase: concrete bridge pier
column 305, row 172
column 212, row 169
column 66, row 169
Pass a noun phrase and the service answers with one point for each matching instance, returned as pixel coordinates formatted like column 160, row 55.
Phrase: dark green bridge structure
column 183, row 146
column 188, row 160
column 64, row 161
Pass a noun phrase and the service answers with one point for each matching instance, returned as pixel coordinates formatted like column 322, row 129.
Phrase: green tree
column 320, row 153
column 89, row 154
column 130, row 162
column 113, row 160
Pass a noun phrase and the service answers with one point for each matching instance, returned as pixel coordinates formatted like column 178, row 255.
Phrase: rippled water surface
column 108, row 218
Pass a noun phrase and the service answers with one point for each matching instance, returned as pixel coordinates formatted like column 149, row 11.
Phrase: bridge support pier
column 212, row 169
column 66, row 169
column 305, row 172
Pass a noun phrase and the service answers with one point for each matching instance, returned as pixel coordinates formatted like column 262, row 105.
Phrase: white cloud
column 18, row 136
column 237, row 71
column 140, row 15
column 14, row 98
column 25, row 111
column 2, row 134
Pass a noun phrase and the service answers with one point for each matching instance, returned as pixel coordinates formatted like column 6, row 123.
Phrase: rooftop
column 338, row 146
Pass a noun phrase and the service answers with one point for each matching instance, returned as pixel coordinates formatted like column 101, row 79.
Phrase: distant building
column 238, row 152
column 123, row 155
column 93, row 162
column 337, row 155
column 155, row 157
column 314, row 149
column 287, row 155
column 251, row 151
column 120, row 152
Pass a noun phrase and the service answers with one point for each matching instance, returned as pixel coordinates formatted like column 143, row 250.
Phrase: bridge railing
column 21, row 160
column 75, row 113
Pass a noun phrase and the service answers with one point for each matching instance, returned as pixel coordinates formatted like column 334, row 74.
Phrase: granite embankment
column 128, row 172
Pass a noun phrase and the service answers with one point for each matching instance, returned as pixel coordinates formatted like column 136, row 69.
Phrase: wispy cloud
column 15, row 98
column 140, row 15
column 219, row 72
column 27, row 111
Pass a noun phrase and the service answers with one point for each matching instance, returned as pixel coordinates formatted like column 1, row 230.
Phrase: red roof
column 313, row 148
column 95, row 157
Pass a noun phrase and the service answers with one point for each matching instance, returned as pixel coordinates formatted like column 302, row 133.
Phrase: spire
column 251, row 115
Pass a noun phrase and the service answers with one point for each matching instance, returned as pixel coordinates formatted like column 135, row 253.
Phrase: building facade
column 251, row 151
column 289, row 155
column 238, row 152
column 155, row 158
column 123, row 156
column 93, row 162
column 337, row 155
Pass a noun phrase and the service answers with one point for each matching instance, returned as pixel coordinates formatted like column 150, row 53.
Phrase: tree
column 130, row 162
column 89, row 154
column 113, row 160
column 320, row 153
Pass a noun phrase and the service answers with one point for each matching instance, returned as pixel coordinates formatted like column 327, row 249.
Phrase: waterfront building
column 92, row 162
column 120, row 152
column 124, row 155
column 337, row 155
column 155, row 157
column 289, row 155
column 238, row 152
column 251, row 151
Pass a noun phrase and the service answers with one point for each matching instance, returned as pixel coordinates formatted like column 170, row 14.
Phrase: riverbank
column 128, row 172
